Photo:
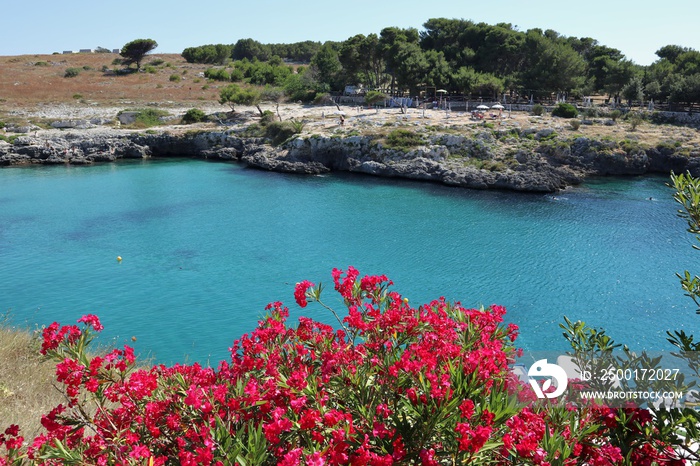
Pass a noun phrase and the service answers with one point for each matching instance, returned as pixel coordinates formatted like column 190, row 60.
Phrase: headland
column 510, row 149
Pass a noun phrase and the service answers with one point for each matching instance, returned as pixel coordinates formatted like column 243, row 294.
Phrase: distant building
column 66, row 52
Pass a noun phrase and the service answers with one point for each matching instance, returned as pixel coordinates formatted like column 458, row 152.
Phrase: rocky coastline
column 522, row 161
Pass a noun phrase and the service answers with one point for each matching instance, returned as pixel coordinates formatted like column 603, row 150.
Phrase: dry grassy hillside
column 26, row 390
column 28, row 80
column 33, row 88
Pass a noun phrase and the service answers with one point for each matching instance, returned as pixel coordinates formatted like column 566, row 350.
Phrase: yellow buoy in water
column 119, row 258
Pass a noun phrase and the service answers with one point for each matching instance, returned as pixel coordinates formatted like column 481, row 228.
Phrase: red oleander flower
column 467, row 409
column 92, row 321
column 300, row 292
column 54, row 335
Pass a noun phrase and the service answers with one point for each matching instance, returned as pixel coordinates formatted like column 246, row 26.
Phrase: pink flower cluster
column 397, row 385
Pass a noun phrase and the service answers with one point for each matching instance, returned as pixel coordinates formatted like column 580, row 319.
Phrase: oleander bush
column 393, row 384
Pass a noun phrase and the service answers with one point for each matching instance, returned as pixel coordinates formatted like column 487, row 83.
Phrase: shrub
column 9, row 139
column 156, row 62
column 149, row 69
column 77, row 96
column 267, row 118
column 615, row 114
column 175, row 78
column 87, row 67
column 323, row 99
column 393, row 385
column 537, row 110
column 41, row 63
column 71, row 72
column 591, row 112
column 193, row 115
column 565, row 110
column 297, row 125
column 279, row 131
column 575, row 124
column 635, row 119
column 237, row 75
column 253, row 130
column 403, row 138
column 630, row 146
column 147, row 117
column 217, row 74
column 375, row 97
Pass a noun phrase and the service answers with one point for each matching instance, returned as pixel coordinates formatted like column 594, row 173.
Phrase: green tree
column 688, row 63
column 374, row 97
column 216, row 54
column 551, row 66
column 274, row 95
column 233, row 95
column 363, row 60
column 438, row 69
column 617, row 75
column 134, row 51
column 250, row 49
column 501, row 52
column 671, row 52
column 326, row 65
column 685, row 89
column 410, row 67
column 392, row 42
column 633, row 91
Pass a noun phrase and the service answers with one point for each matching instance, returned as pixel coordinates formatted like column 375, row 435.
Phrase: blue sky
column 637, row 28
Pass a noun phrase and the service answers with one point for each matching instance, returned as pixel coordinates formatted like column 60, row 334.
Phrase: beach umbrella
column 498, row 107
column 482, row 107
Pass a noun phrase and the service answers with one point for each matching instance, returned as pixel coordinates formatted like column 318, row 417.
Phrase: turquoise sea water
column 206, row 245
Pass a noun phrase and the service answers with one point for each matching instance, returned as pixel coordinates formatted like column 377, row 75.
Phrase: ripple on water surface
column 205, row 246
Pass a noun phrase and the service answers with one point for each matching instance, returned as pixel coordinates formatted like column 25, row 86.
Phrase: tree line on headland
column 462, row 57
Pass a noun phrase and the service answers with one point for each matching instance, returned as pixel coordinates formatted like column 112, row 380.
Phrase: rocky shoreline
column 531, row 162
